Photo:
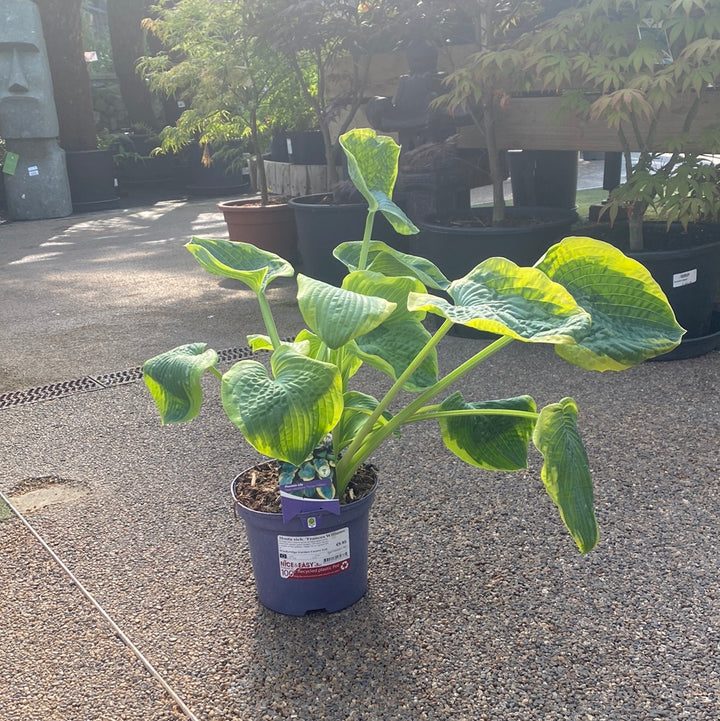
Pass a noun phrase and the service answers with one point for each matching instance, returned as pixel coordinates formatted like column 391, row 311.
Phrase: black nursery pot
column 323, row 225
column 306, row 147
column 91, row 175
column 686, row 265
column 457, row 249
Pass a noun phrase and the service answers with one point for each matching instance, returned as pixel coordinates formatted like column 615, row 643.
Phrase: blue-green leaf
column 241, row 261
column 631, row 318
column 173, row 379
column 284, row 417
column 388, row 261
column 372, row 166
column 566, row 473
column 500, row 297
column 493, row 440
column 392, row 346
column 338, row 315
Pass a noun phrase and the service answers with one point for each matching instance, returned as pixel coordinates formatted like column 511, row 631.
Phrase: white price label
column 314, row 556
column 687, row 278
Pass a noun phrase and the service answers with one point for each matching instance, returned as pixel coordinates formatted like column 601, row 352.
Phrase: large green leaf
column 394, row 345
column 242, row 261
column 372, row 161
column 286, row 416
column 372, row 166
column 173, row 378
column 388, row 261
column 338, row 315
column 500, row 297
column 394, row 214
column 632, row 320
column 496, row 442
column 566, row 473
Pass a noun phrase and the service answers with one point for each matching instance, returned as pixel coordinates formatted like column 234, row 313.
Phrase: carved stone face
column 27, row 106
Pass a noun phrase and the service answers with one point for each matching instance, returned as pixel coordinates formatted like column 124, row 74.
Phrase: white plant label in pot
column 305, row 557
column 687, row 278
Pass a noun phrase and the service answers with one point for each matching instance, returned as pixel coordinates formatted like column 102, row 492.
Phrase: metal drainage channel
column 12, row 399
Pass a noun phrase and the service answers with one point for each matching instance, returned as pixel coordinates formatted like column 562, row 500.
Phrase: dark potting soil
column 483, row 219
column 258, row 488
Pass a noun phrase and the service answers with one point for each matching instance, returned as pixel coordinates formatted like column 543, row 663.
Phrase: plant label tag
column 687, row 278
column 307, row 557
column 288, row 142
column 33, row 170
column 309, row 489
column 10, row 164
column 310, row 510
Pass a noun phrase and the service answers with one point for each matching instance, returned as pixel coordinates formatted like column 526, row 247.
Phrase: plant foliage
column 598, row 308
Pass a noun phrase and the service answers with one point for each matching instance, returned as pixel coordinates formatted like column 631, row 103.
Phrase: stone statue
column 38, row 188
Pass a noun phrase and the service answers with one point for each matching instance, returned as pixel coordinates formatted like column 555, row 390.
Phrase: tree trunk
column 498, row 215
column 635, row 226
column 128, row 44
column 62, row 28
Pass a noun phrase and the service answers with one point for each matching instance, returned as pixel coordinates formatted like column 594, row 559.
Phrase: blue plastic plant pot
column 297, row 569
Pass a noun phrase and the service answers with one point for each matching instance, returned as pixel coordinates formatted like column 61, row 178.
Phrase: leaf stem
column 367, row 235
column 367, row 440
column 346, row 466
column 269, row 321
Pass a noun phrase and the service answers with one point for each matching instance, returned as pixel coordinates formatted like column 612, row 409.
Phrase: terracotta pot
column 270, row 227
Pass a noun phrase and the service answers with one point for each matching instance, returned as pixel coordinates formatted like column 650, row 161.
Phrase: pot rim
column 241, row 203
column 562, row 217
column 305, row 201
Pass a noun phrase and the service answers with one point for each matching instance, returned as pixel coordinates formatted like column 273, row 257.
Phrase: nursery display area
column 374, row 372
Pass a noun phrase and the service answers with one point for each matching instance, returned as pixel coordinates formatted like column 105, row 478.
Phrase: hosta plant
column 598, row 308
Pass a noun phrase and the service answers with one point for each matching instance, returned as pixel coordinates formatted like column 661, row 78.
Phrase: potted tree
column 633, row 65
column 308, row 533
column 330, row 47
column 479, row 90
column 234, row 80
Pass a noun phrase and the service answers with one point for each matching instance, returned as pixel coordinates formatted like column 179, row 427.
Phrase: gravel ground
column 479, row 606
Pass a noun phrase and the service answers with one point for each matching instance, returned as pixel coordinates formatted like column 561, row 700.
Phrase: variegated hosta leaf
column 259, row 342
column 632, row 320
column 358, row 406
column 338, row 315
column 242, row 261
column 372, row 161
column 500, row 297
column 284, row 417
column 394, row 214
column 309, row 344
column 388, row 261
column 566, row 473
column 394, row 345
column 496, row 442
column 173, row 378
column 372, row 166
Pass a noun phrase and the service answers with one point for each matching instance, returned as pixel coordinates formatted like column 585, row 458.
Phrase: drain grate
column 119, row 378
column 49, row 392
column 53, row 391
